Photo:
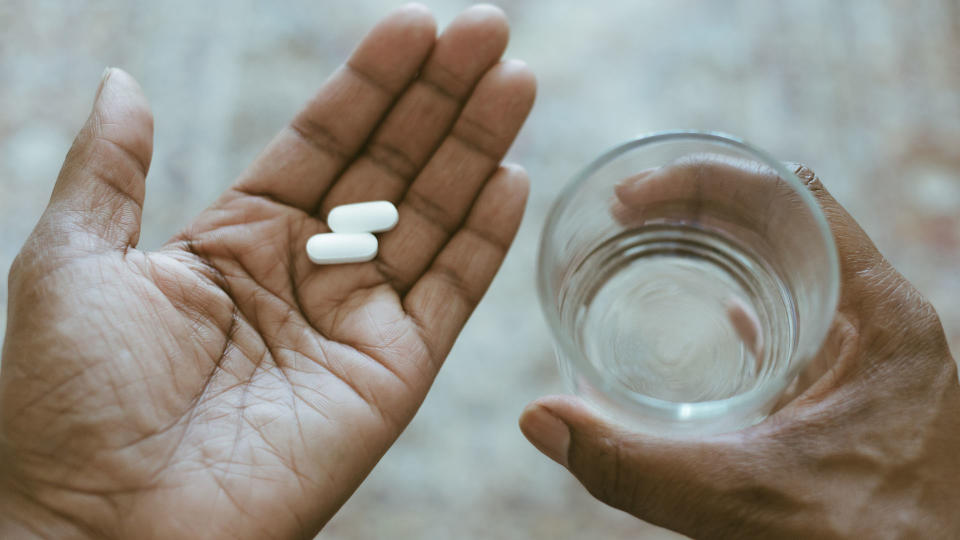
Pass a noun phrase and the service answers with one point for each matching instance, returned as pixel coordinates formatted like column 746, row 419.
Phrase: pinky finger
column 442, row 300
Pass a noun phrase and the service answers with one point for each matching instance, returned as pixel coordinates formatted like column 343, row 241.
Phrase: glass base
column 679, row 315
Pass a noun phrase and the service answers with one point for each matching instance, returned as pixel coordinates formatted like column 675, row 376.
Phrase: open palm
column 224, row 384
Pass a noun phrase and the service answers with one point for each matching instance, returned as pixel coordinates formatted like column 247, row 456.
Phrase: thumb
column 701, row 488
column 98, row 198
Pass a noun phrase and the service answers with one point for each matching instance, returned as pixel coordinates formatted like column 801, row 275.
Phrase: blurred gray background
column 867, row 93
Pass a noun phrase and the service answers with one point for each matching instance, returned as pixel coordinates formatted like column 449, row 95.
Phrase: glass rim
column 639, row 402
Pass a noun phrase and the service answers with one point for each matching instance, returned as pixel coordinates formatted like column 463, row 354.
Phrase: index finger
column 301, row 162
column 744, row 191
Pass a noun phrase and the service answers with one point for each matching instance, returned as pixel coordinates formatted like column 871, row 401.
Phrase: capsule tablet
column 365, row 217
column 341, row 248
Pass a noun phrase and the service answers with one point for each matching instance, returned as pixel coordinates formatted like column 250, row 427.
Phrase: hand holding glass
column 687, row 278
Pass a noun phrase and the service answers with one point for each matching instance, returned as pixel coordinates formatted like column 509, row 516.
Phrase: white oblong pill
column 340, row 248
column 371, row 217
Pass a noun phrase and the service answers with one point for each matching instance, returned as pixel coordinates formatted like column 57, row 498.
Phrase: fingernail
column 747, row 325
column 624, row 187
column 103, row 81
column 548, row 433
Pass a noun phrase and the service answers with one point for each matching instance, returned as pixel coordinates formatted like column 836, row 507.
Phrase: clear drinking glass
column 687, row 278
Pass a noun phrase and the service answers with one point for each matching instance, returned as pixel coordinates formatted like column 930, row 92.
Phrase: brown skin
column 869, row 449
column 224, row 386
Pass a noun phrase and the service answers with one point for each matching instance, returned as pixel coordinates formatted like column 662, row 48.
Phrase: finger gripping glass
column 687, row 278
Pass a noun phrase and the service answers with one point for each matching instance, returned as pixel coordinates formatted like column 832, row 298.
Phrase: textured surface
column 867, row 93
